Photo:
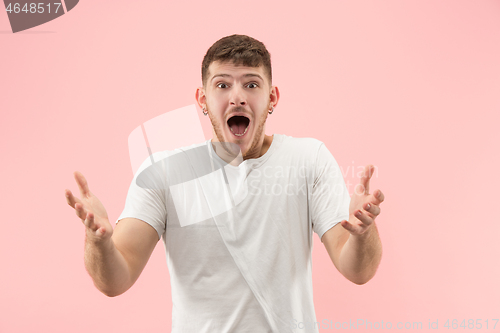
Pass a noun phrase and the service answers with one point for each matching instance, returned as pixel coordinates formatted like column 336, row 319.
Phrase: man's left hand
column 364, row 207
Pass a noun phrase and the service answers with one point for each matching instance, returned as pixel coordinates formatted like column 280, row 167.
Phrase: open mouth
column 238, row 125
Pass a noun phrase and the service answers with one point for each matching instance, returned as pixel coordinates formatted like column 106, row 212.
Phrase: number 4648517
column 33, row 8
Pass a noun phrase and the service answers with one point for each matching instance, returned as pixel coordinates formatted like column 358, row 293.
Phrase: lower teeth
column 238, row 134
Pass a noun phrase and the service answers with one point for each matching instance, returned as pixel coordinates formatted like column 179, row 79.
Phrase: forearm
column 360, row 256
column 107, row 267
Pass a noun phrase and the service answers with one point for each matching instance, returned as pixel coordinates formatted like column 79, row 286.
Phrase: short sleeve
column 146, row 199
column 329, row 198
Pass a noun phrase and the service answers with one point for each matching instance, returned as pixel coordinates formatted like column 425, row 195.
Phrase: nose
column 238, row 97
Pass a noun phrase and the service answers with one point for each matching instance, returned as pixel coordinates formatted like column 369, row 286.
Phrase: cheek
column 261, row 101
column 216, row 109
column 216, row 102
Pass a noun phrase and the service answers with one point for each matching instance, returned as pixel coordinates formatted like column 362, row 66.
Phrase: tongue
column 238, row 124
column 238, row 127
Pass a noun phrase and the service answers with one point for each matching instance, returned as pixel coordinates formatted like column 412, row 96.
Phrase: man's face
column 238, row 99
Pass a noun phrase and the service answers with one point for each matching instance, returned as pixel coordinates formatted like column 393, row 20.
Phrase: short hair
column 239, row 50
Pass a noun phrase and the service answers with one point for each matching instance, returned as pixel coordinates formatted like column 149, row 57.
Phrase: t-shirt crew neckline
column 255, row 162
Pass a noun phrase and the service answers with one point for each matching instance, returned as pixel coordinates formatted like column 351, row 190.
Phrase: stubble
column 254, row 148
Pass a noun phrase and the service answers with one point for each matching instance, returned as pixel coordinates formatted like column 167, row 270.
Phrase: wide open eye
column 252, row 85
column 221, row 85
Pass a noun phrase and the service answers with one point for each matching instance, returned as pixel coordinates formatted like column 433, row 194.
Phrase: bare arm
column 355, row 257
column 113, row 258
column 354, row 246
column 115, row 265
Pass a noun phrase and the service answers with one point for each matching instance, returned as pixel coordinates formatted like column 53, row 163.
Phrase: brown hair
column 240, row 50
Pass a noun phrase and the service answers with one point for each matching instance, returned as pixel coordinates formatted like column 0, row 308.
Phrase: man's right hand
column 90, row 210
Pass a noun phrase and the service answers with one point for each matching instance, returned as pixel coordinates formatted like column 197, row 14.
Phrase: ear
column 274, row 97
column 201, row 98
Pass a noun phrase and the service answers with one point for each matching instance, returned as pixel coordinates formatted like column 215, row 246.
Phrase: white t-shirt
column 238, row 239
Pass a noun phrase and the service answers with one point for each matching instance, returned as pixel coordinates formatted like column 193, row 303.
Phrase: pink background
column 409, row 86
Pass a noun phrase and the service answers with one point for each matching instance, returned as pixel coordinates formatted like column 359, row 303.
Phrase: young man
column 238, row 237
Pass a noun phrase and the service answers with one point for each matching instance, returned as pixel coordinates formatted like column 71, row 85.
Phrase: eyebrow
column 246, row 75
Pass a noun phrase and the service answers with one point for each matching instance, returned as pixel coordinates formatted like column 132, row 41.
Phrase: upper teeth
column 238, row 134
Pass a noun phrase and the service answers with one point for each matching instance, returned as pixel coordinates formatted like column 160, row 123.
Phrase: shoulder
column 161, row 164
column 308, row 145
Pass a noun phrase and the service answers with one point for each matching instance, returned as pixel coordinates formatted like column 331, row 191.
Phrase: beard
column 232, row 148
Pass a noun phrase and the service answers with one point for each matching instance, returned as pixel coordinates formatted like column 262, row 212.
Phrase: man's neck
column 268, row 139
column 236, row 158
